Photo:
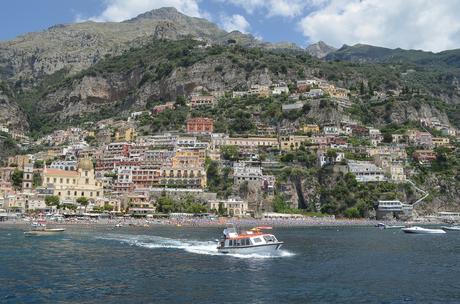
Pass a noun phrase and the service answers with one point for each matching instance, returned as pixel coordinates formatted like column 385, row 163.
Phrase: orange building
column 200, row 125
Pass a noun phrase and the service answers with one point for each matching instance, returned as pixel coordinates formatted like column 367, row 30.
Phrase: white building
column 366, row 171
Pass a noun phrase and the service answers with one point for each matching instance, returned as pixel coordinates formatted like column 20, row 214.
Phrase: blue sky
column 411, row 24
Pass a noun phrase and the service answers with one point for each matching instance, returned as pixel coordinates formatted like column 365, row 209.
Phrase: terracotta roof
column 61, row 172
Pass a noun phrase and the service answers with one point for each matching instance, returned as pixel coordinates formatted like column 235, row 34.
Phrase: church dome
column 85, row 164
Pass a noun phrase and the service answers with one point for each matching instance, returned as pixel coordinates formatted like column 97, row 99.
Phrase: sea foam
column 191, row 246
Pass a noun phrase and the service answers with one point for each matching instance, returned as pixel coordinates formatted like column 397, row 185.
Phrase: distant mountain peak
column 320, row 49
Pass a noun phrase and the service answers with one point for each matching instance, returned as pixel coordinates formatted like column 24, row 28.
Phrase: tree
column 108, row 207
column 222, row 211
column 52, row 200
column 165, row 204
column 352, row 212
column 279, row 205
column 83, row 201
column 230, row 152
column 16, row 178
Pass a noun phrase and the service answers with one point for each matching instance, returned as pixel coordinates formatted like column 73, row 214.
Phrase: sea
column 168, row 264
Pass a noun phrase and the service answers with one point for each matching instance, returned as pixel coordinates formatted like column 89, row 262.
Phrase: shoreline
column 191, row 223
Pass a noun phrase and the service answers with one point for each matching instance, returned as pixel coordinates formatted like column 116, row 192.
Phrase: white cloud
column 411, row 24
column 119, row 10
column 235, row 23
column 284, row 8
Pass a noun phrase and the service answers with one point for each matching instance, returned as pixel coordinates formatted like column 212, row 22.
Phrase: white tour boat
column 420, row 230
column 39, row 228
column 248, row 242
column 451, row 228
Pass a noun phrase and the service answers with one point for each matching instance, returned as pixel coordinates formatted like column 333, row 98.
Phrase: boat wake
column 191, row 246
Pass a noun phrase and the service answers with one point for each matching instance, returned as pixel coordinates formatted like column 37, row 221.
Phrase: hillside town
column 111, row 167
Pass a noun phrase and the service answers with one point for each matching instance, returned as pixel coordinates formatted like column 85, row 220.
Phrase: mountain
column 78, row 72
column 80, row 45
column 375, row 54
column 320, row 49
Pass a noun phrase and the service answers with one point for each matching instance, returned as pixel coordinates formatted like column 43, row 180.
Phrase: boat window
column 257, row 240
column 247, row 242
column 230, row 243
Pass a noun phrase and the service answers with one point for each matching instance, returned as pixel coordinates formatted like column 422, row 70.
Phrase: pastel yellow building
column 128, row 134
column 440, row 141
column 314, row 129
column 70, row 185
column 293, row 142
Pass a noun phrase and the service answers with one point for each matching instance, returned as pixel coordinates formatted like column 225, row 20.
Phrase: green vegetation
column 52, row 200
column 16, row 178
column 166, row 204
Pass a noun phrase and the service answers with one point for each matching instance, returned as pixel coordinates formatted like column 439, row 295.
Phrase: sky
column 431, row 25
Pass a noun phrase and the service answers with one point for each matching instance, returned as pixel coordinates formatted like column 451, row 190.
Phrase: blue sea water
column 181, row 265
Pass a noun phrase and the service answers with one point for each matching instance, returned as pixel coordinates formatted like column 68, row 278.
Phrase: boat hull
column 423, row 231
column 49, row 231
column 255, row 249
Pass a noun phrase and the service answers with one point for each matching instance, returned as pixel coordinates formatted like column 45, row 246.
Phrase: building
column 67, row 165
column 233, row 206
column 293, row 142
column 330, row 130
column 424, row 156
column 245, row 143
column 314, row 93
column 246, row 173
column 393, row 209
column 200, row 125
column 198, row 101
column 375, row 136
column 260, row 90
column 280, row 89
column 324, row 159
column 125, row 134
column 440, row 141
column 19, row 161
column 161, row 108
column 70, row 185
column 397, row 174
column 27, row 178
column 365, row 171
column 310, row 128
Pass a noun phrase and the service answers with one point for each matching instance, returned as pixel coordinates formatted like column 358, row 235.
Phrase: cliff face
column 10, row 114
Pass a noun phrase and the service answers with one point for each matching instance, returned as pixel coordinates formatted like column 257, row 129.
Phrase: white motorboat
column 451, row 228
column 248, row 242
column 385, row 226
column 39, row 228
column 421, row 230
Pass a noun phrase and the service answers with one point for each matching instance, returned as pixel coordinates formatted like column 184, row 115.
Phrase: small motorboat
column 248, row 242
column 421, row 230
column 39, row 228
column 451, row 228
column 385, row 226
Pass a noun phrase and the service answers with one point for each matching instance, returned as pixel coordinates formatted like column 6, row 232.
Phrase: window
column 67, row 181
column 257, row 240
